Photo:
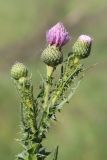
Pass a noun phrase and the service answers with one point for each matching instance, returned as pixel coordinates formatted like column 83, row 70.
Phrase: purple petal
column 57, row 35
column 85, row 38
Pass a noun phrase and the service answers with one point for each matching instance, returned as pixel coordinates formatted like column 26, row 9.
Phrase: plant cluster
column 38, row 112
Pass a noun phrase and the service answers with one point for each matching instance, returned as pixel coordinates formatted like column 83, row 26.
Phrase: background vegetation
column 81, row 130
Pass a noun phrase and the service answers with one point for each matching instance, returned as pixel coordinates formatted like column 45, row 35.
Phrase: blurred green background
column 81, row 131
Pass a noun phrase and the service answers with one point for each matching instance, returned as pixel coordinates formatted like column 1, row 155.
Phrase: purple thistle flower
column 85, row 39
column 57, row 35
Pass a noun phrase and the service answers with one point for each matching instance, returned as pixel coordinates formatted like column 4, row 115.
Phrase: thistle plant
column 37, row 113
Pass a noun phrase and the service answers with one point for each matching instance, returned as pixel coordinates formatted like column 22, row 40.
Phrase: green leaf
column 56, row 153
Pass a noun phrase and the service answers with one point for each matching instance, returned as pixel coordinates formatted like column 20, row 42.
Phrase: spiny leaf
column 58, row 107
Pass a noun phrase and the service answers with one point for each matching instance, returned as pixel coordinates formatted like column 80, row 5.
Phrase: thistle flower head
column 82, row 46
column 52, row 56
column 18, row 70
column 57, row 35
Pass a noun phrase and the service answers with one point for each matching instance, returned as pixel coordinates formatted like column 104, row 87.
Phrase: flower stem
column 50, row 71
column 48, row 84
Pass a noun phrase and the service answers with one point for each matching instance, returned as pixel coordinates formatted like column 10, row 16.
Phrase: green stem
column 67, row 76
column 50, row 71
column 28, row 118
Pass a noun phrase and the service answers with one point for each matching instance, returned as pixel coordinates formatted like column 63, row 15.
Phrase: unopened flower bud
column 52, row 56
column 57, row 35
column 18, row 70
column 23, row 81
column 82, row 46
